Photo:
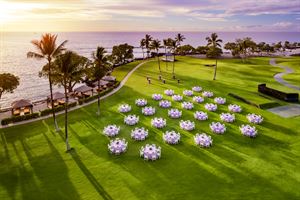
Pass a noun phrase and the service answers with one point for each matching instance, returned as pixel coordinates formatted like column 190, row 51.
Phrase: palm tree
column 100, row 68
column 46, row 48
column 173, row 47
column 155, row 45
column 142, row 45
column 148, row 40
column 65, row 66
column 179, row 38
column 214, row 43
column 166, row 44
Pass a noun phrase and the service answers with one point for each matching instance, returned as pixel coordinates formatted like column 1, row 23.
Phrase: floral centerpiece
column 174, row 113
column 234, row 108
column 227, row 117
column 198, row 99
column 249, row 131
column 131, row 120
column 117, row 146
column 217, row 127
column 220, row 100
column 111, row 130
column 150, row 152
column 203, row 140
column 124, row 108
column 188, row 93
column 169, row 92
column 197, row 89
column 157, row 97
column 158, row 122
column 211, row 107
column 139, row 134
column 207, row 94
column 141, row 102
column 255, row 119
column 187, row 125
column 171, row 137
column 177, row 97
column 165, row 104
column 199, row 115
column 148, row 111
column 187, row 105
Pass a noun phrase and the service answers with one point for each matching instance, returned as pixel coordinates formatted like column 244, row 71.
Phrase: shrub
column 269, row 105
column 19, row 118
column 243, row 100
column 57, row 109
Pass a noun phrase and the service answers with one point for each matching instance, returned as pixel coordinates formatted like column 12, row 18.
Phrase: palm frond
column 31, row 54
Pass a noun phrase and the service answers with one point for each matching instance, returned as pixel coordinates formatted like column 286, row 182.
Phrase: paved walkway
column 80, row 106
column 278, row 76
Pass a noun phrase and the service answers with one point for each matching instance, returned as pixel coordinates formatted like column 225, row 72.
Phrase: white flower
column 210, row 107
column 203, row 140
column 187, row 125
column 234, row 108
column 124, row 108
column 197, row 89
column 158, row 122
column 150, row 152
column 255, row 119
column 198, row 99
column 227, row 117
column 131, row 120
column 148, row 111
column 217, row 127
column 165, row 104
column 169, row 92
column 171, row 137
column 139, row 134
column 188, row 93
column 199, row 115
column 111, row 130
column 157, row 97
column 248, row 130
column 207, row 94
column 117, row 146
column 141, row 102
column 187, row 105
column 174, row 113
column 177, row 97
column 220, row 100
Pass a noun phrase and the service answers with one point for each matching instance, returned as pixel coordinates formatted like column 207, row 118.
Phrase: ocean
column 14, row 47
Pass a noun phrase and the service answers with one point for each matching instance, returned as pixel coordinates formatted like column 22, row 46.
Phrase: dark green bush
column 57, row 109
column 243, row 100
column 91, row 98
column 269, row 105
column 19, row 118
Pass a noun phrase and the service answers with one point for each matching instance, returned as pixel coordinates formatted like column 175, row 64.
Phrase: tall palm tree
column 142, row 45
column 148, row 40
column 173, row 46
column 155, row 45
column 166, row 44
column 100, row 68
column 214, row 43
column 179, row 38
column 65, row 66
column 46, row 48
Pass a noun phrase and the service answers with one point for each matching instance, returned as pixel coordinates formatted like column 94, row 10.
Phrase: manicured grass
column 294, row 63
column 34, row 165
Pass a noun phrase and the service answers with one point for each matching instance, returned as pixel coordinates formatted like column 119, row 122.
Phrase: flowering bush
column 210, row 107
column 217, row 127
column 227, row 117
column 141, row 102
column 177, row 97
column 197, row 89
column 131, row 120
column 174, row 113
column 220, row 100
column 203, row 140
column 157, row 97
column 188, row 93
column 171, row 137
column 169, row 92
column 150, row 152
column 198, row 99
column 124, row 108
column 117, row 146
column 158, row 122
column 234, row 108
column 187, row 125
column 249, row 131
column 255, row 119
column 111, row 130
column 139, row 134
column 199, row 115
column 207, row 94
column 148, row 111
column 187, row 105
column 165, row 104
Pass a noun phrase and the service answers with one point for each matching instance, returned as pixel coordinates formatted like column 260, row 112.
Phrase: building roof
column 21, row 103
column 109, row 78
column 102, row 83
column 57, row 95
column 83, row 88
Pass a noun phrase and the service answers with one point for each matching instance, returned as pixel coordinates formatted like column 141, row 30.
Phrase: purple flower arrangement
column 111, row 130
column 171, row 137
column 139, row 134
column 174, row 113
column 199, row 115
column 217, row 127
column 203, row 140
column 227, row 117
column 117, row 146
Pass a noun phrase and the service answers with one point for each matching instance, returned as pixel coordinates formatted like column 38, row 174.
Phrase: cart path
column 122, row 83
column 278, row 76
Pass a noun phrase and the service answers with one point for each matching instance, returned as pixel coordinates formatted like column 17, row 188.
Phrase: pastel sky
column 150, row 15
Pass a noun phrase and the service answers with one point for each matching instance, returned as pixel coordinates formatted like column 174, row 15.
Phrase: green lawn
column 294, row 63
column 34, row 165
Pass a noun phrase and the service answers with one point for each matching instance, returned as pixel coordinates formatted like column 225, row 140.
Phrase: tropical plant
column 99, row 69
column 8, row 83
column 179, row 38
column 202, row 49
column 148, row 40
column 155, row 45
column 214, row 51
column 173, row 47
column 142, row 45
column 122, row 53
column 166, row 45
column 65, row 66
column 185, row 50
column 46, row 48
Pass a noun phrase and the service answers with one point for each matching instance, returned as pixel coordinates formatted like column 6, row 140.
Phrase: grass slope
column 294, row 63
column 34, row 165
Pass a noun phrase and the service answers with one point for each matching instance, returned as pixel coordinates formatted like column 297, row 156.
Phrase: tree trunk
column 215, row 73
column 166, row 58
column 98, row 102
column 68, row 148
column 143, row 53
column 51, row 97
column 173, row 71
column 158, row 62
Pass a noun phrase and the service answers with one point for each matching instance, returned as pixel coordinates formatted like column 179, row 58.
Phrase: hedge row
column 57, row 109
column 91, row 98
column 19, row 118
column 269, row 105
column 244, row 100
